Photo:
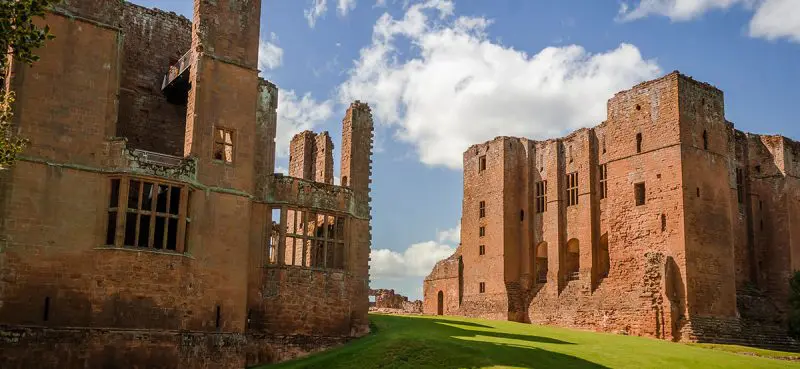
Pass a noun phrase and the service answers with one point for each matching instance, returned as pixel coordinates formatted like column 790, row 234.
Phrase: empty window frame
column 481, row 163
column 482, row 250
column 482, row 231
column 572, row 188
column 603, row 181
column 740, row 185
column 541, row 197
column 639, row 193
column 147, row 214
column 313, row 239
column 705, row 140
column 482, row 209
column 482, row 287
column 223, row 145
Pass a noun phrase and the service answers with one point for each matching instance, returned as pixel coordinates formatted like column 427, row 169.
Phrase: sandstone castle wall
column 662, row 221
column 144, row 225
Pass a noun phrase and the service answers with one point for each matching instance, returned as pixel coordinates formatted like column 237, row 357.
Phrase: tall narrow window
column 482, row 250
column 639, row 191
column 481, row 163
column 740, row 185
column 572, row 188
column 570, row 154
column 603, row 144
column 154, row 215
column 603, row 181
column 223, row 145
column 705, row 140
column 482, row 209
column 482, row 231
column 541, row 196
column 638, row 142
column 482, row 287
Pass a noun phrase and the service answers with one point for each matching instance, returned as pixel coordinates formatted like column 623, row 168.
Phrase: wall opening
column 603, row 170
column 46, row 312
column 541, row 262
column 482, row 287
column 572, row 189
column 541, row 196
column 482, row 209
column 603, row 258
column 482, row 250
column 310, row 239
column 440, row 303
column 482, row 231
column 521, row 215
column 640, row 193
column 638, row 142
column 218, row 320
column 663, row 223
column 344, row 181
column 481, row 163
column 705, row 140
column 572, row 261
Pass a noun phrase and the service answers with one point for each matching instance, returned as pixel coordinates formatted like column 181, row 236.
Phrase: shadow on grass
column 414, row 342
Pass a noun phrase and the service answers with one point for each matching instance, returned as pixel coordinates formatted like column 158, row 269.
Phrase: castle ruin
column 662, row 221
column 145, row 227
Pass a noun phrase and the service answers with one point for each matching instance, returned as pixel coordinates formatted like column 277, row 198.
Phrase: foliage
column 794, row 305
column 451, row 342
column 19, row 39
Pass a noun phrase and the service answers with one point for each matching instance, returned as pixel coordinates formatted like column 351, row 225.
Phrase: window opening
column 638, row 142
column 572, row 188
column 541, row 196
column 482, row 231
column 482, row 209
column 640, row 193
column 223, row 145
column 481, row 163
column 603, row 181
column 482, row 287
column 482, row 250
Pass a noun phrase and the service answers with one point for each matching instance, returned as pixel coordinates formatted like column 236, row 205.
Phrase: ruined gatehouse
column 662, row 221
column 144, row 226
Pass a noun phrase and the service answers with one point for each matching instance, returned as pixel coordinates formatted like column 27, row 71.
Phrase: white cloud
column 282, row 170
column 452, row 235
column 270, row 55
column 676, row 10
column 459, row 87
column 416, row 261
column 317, row 10
column 296, row 114
column 345, row 6
column 773, row 19
column 776, row 19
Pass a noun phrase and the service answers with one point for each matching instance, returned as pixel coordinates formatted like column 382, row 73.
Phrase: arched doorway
column 440, row 304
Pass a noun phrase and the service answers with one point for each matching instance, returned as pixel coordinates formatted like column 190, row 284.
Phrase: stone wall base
column 734, row 331
column 41, row 347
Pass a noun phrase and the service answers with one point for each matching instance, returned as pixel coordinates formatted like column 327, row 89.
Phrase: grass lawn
column 449, row 342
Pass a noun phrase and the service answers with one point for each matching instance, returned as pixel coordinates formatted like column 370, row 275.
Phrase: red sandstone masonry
column 692, row 262
column 219, row 304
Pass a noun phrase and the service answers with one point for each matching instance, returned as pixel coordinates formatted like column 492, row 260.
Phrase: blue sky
column 444, row 74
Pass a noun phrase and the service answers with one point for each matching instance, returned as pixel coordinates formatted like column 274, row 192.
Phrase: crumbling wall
column 388, row 299
column 152, row 40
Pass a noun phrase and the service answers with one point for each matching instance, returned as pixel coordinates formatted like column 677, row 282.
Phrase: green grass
column 751, row 351
column 449, row 342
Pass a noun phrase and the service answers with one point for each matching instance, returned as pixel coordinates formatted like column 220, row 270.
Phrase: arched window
column 540, row 255
column 573, row 261
column 603, row 261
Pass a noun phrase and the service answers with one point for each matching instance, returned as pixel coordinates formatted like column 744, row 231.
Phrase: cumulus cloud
column 270, row 55
column 776, row 19
column 282, row 170
column 296, row 114
column 452, row 235
column 458, row 87
column 772, row 19
column 676, row 10
column 345, row 6
column 416, row 261
column 316, row 10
